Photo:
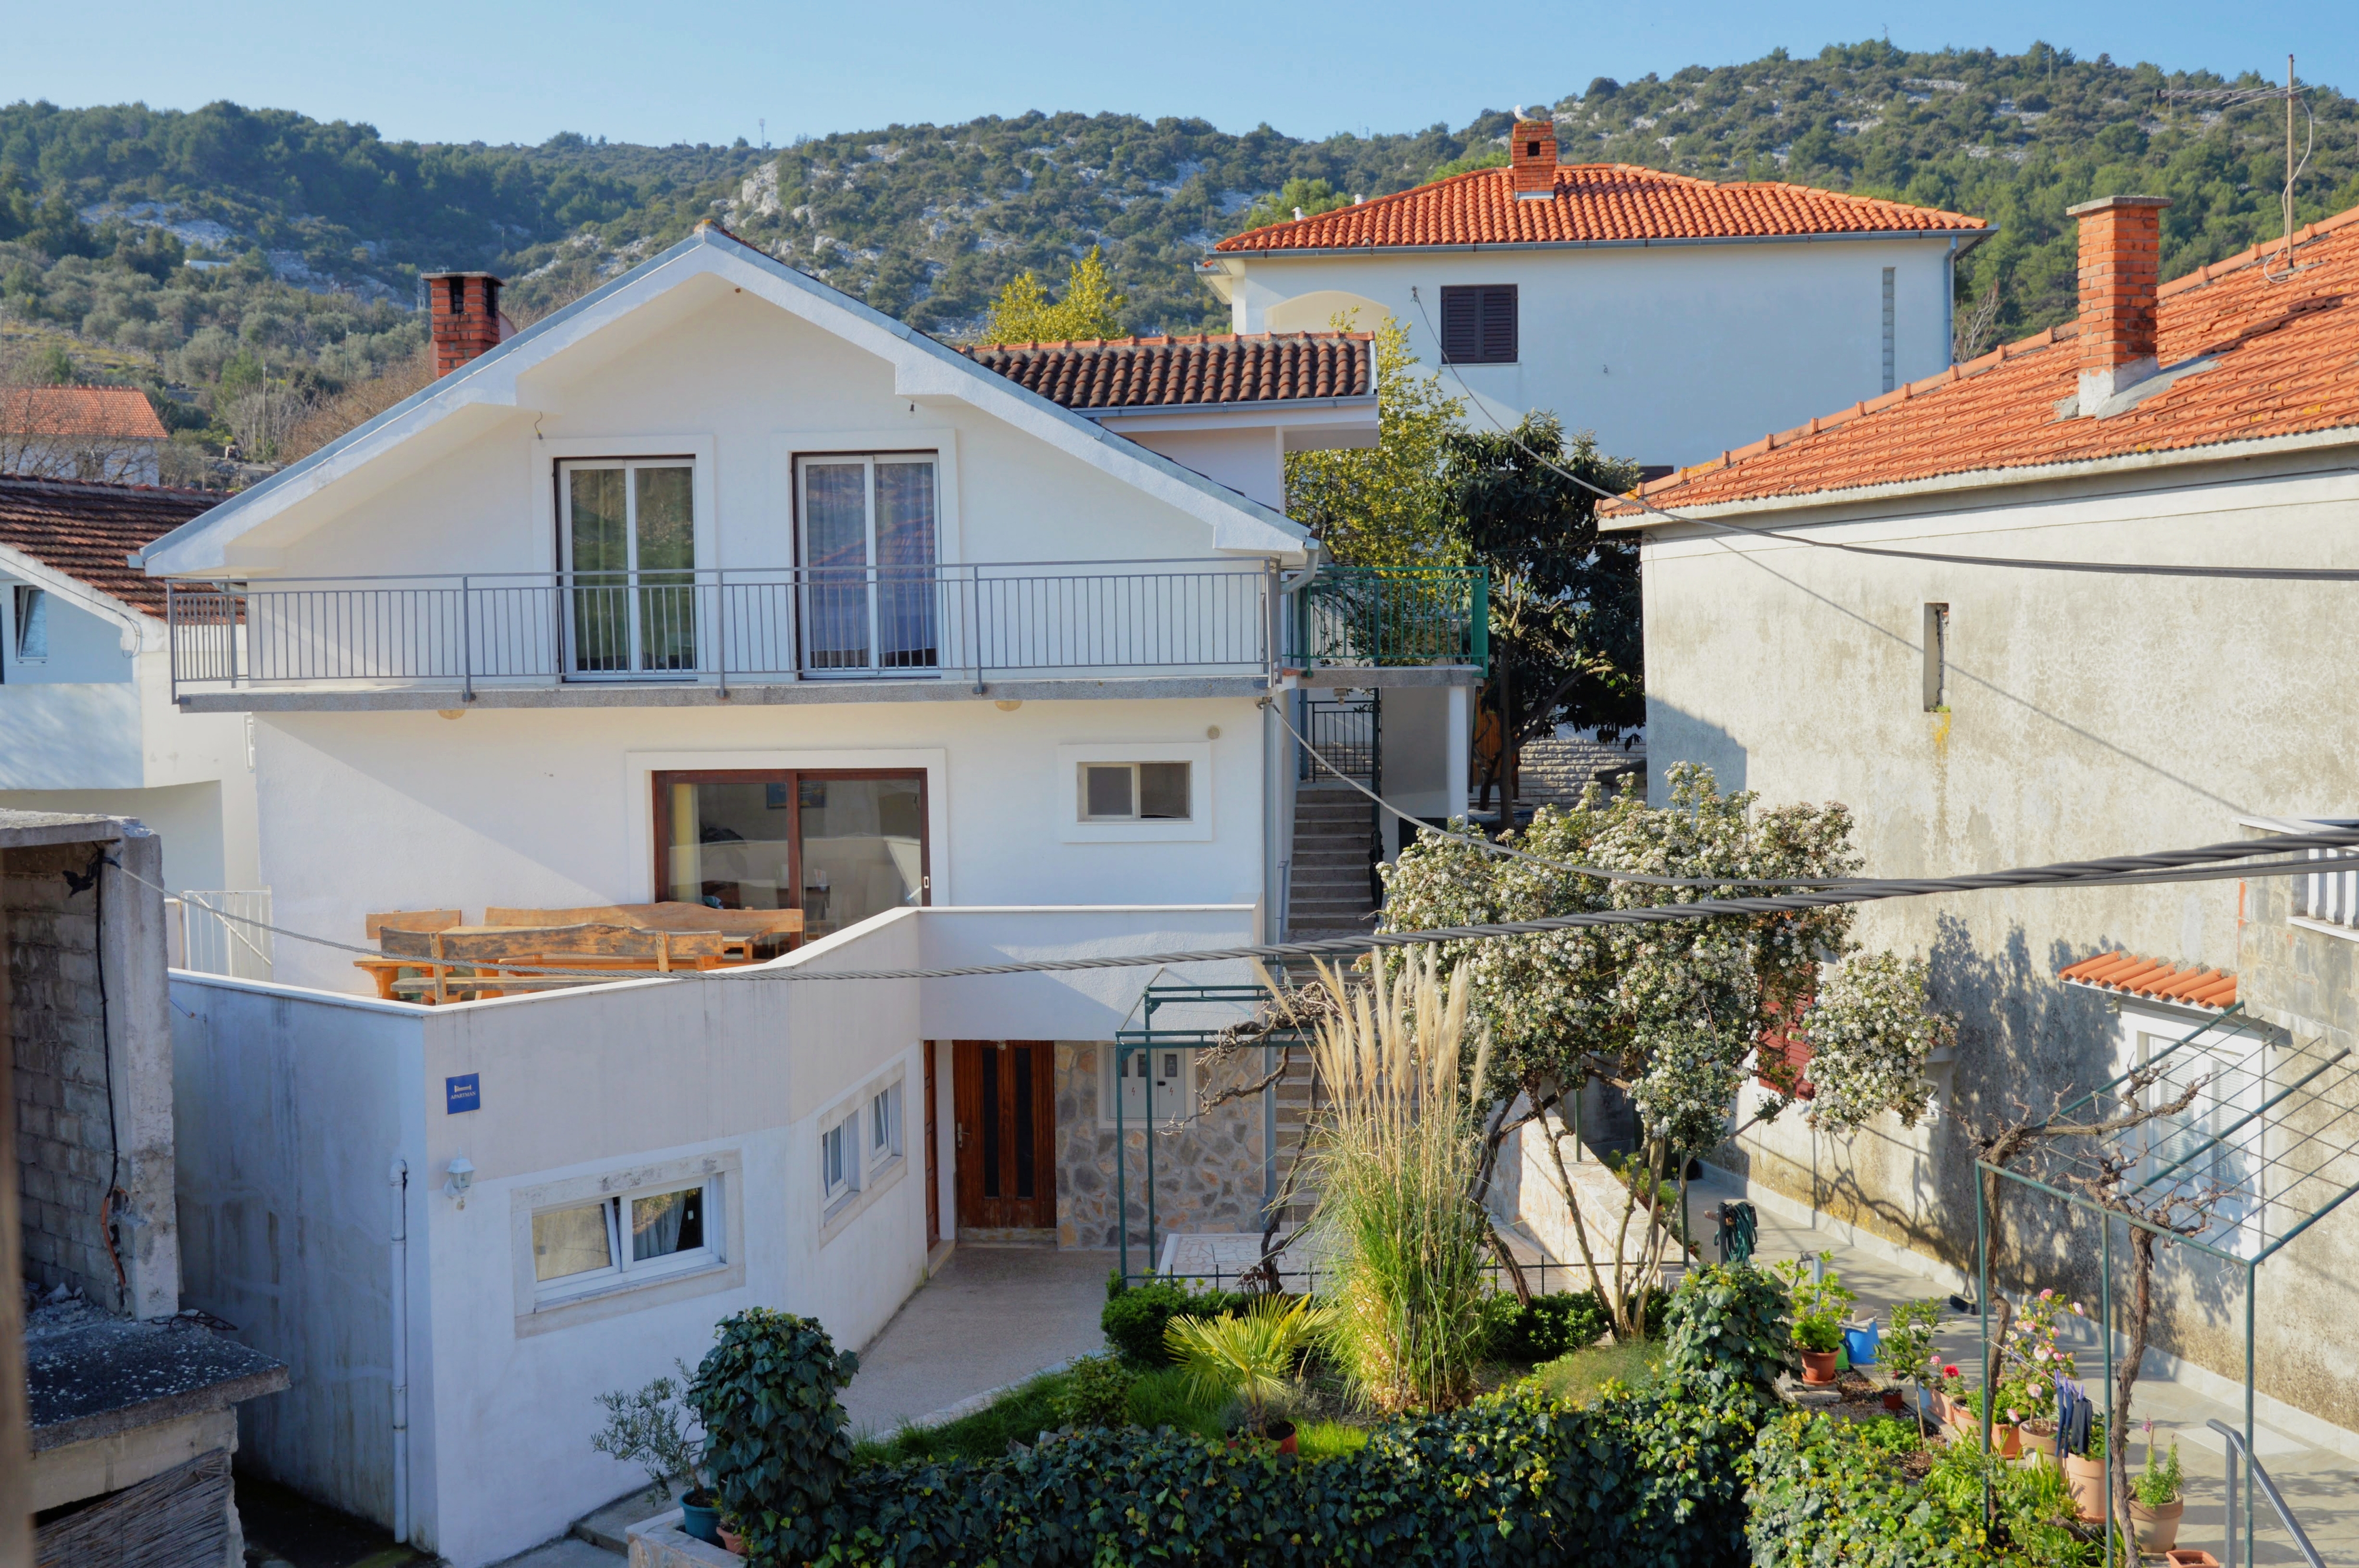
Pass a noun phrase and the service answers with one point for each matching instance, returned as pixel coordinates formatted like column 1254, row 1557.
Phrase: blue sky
column 521, row 71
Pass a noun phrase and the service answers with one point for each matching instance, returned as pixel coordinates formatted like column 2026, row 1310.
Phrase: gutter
column 1969, row 238
column 397, row 1180
column 1261, row 406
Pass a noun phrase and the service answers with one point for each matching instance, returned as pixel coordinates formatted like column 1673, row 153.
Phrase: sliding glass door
column 628, row 535
column 840, row 847
column 868, row 543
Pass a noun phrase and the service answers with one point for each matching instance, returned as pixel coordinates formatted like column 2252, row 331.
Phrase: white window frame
column 883, row 1122
column 1175, row 1096
column 1137, row 775
column 1075, row 828
column 624, row 1272
column 30, row 611
column 839, row 1165
column 866, row 1176
column 866, row 461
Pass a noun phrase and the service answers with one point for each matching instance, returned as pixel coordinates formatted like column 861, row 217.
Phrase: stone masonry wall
column 1208, row 1171
column 67, row 1147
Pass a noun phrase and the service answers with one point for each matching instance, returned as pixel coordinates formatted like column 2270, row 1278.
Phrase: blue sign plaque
column 464, row 1093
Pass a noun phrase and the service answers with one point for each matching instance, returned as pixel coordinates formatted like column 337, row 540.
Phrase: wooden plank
column 655, row 917
column 410, row 921
column 177, row 1519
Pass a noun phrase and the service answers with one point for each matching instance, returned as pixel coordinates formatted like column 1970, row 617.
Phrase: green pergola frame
column 1247, row 996
column 2285, row 1178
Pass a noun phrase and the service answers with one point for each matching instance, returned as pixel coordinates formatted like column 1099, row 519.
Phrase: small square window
column 839, row 1165
column 1137, row 792
column 884, row 1125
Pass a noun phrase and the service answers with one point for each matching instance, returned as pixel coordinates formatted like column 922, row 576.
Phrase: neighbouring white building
column 101, row 434
column 1976, row 717
column 1674, row 317
column 87, row 722
column 719, row 587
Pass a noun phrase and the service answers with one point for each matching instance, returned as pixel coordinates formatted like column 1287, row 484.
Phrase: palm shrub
column 1251, row 1356
column 1395, row 1157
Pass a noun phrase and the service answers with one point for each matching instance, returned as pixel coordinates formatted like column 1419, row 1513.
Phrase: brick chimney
column 1531, row 153
column 2121, row 249
column 465, row 308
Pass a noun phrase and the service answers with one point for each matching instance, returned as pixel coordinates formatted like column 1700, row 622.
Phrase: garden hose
column 1739, row 1227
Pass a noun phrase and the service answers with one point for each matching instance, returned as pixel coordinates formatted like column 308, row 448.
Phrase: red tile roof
column 118, row 413
column 1100, row 374
column 85, row 531
column 1594, row 203
column 2284, row 360
column 2135, row 976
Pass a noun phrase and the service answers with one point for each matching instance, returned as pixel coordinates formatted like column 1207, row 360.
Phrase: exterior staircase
column 1330, row 888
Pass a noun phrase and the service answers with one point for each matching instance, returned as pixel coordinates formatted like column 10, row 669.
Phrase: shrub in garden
column 1545, row 1327
column 1728, row 1332
column 1135, row 1317
column 776, row 1449
column 1096, row 1392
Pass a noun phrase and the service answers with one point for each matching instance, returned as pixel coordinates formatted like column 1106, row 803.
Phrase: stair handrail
column 2266, row 1487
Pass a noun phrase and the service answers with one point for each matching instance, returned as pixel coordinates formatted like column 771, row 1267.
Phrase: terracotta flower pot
column 2157, row 1529
column 1281, row 1432
column 2086, row 1479
column 732, row 1541
column 1819, row 1368
column 1893, row 1400
column 2190, row 1557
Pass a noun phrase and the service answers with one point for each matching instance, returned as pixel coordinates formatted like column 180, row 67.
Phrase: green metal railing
column 1377, row 618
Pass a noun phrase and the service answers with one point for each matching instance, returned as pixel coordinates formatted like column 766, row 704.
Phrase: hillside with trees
column 255, row 268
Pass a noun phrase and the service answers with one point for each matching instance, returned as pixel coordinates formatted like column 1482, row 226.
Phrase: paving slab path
column 991, row 1316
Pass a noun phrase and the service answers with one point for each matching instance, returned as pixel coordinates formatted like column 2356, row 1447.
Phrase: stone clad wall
column 1210, row 1172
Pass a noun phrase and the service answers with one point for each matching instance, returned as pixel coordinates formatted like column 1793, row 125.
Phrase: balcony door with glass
column 867, row 527
column 839, row 845
column 628, row 531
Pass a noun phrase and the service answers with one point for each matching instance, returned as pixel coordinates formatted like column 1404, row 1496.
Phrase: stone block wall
column 1210, row 1169
column 73, row 1141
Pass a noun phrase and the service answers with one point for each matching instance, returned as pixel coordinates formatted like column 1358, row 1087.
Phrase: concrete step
column 604, row 1528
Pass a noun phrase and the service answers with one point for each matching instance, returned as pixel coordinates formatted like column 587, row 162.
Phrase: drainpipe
column 397, row 1180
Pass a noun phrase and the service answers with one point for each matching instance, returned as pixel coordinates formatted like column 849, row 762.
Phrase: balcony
column 791, row 635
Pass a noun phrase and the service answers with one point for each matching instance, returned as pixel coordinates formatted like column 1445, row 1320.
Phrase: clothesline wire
column 2205, row 864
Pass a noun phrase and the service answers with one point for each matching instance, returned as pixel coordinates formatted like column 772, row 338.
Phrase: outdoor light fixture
column 462, row 1176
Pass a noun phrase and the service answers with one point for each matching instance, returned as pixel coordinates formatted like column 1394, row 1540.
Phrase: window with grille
column 1478, row 324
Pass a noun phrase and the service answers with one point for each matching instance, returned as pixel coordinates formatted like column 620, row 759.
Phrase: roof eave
column 1986, row 479
column 1941, row 237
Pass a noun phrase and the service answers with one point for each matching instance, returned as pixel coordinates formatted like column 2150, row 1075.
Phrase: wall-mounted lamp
column 462, row 1176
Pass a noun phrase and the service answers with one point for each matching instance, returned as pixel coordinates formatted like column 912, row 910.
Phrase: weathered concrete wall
column 2085, row 715
column 1211, row 1167
column 92, row 1071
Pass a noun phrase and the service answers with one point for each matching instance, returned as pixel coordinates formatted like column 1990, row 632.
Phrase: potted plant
column 1909, row 1353
column 733, row 1534
column 2156, row 1502
column 649, row 1427
column 1818, row 1305
column 1251, row 1356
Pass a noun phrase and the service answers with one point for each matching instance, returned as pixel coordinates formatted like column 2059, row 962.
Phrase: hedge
column 1134, row 1315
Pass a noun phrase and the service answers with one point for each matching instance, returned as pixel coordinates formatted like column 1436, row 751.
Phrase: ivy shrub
column 1096, row 1392
column 776, row 1447
column 1134, row 1315
column 1641, row 1481
column 1728, row 1332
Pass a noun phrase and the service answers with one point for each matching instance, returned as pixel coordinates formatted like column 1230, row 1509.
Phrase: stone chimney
column 465, row 308
column 2121, row 249
column 1531, row 153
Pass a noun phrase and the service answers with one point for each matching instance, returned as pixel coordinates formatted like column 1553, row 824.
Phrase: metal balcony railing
column 1028, row 621
column 980, row 622
column 1374, row 617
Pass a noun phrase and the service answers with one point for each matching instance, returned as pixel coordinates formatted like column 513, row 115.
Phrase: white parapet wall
column 298, row 1107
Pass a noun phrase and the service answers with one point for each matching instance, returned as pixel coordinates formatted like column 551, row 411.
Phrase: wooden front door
column 1006, row 1133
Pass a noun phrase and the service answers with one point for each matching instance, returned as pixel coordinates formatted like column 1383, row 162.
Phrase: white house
column 87, row 722
column 1673, row 316
column 103, row 434
column 1976, row 717
column 719, row 587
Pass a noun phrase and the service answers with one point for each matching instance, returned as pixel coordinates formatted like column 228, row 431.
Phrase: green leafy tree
column 1388, row 504
column 1298, row 198
column 1565, row 638
column 1088, row 308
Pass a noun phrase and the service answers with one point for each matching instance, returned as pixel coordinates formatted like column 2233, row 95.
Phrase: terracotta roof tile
column 1181, row 372
column 85, row 531
column 2134, row 976
column 1593, row 202
column 2284, row 360
column 120, row 413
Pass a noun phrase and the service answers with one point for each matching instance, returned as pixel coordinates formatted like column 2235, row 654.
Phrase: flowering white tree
column 1669, row 1011
column 1870, row 1035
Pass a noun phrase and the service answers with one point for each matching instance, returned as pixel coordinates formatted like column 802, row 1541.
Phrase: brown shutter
column 1478, row 324
column 1499, row 324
